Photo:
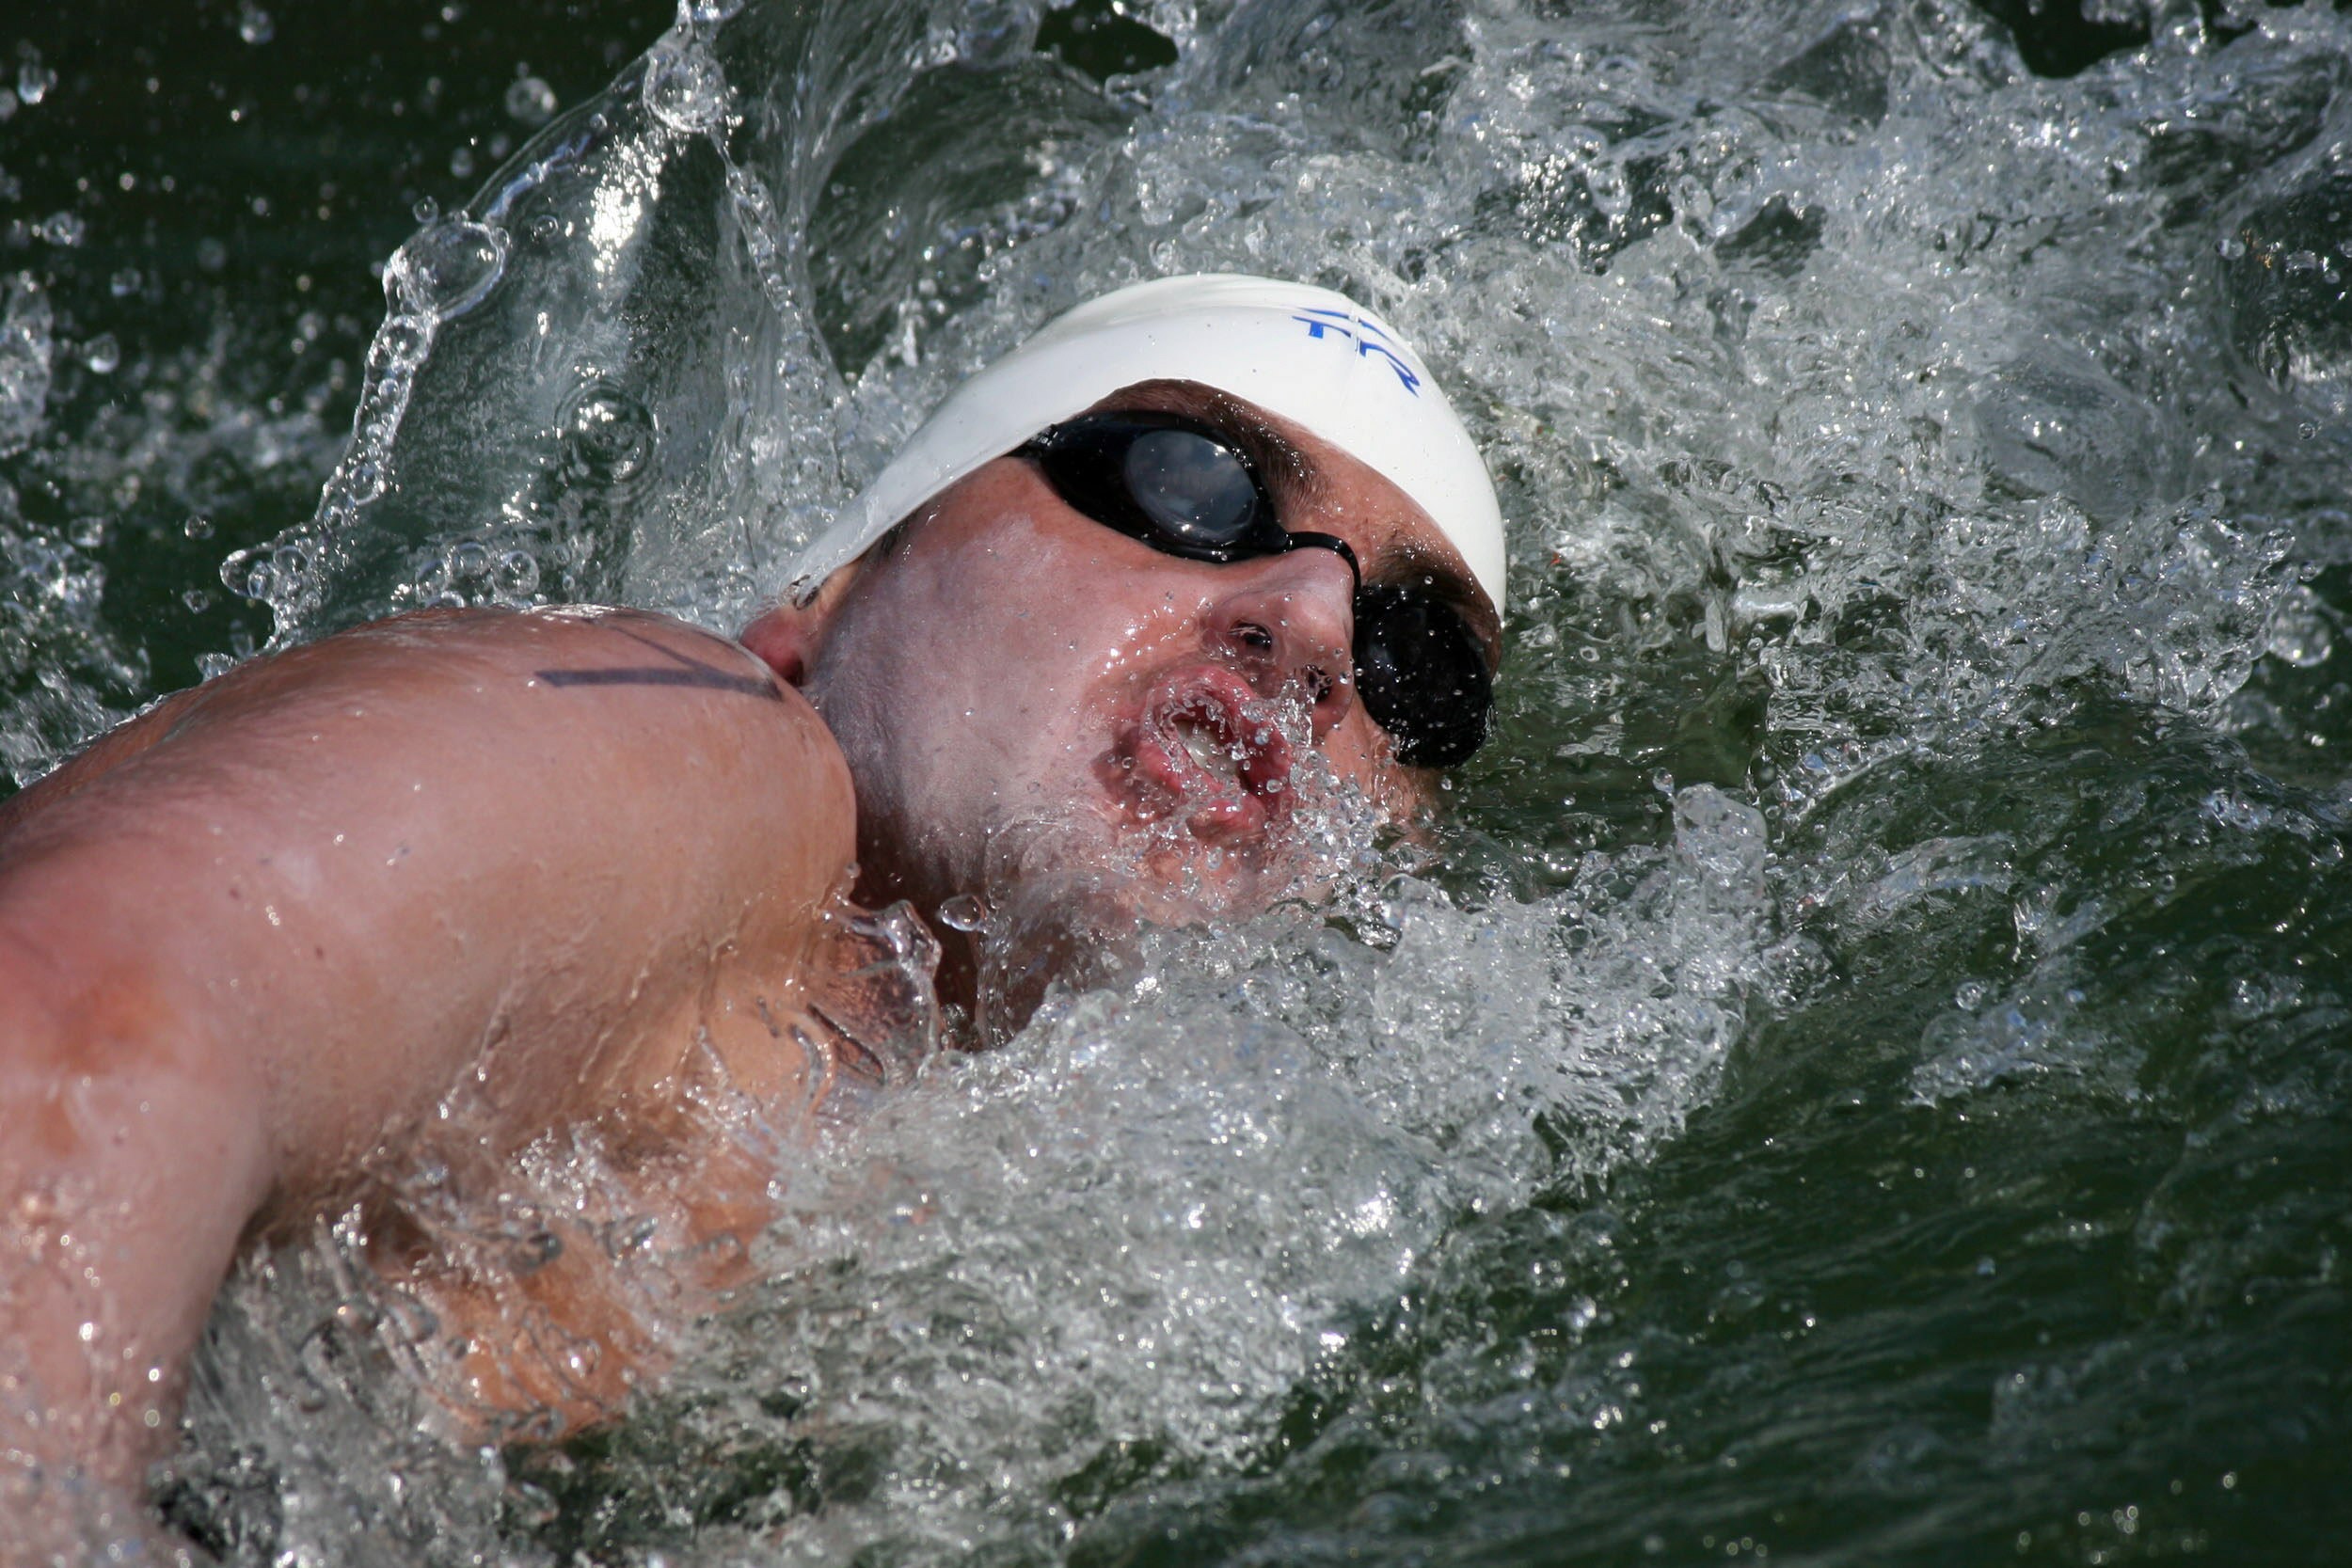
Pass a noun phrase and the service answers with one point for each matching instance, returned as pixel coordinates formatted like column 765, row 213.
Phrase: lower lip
column 1163, row 777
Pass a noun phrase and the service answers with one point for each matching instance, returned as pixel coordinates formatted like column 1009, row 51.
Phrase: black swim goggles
column 1186, row 490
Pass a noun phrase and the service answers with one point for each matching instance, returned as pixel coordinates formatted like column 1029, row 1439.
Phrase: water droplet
column 64, row 229
column 254, row 24
column 965, row 911
column 103, row 353
column 246, row 573
column 426, row 209
column 447, row 269
column 609, row 435
column 34, row 80
column 530, row 101
column 684, row 87
column 25, row 347
column 2301, row 629
column 198, row 527
column 534, row 1506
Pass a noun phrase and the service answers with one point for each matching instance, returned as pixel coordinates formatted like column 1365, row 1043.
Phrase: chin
column 1065, row 898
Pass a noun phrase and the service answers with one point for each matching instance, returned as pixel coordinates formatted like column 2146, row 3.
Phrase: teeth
column 1209, row 753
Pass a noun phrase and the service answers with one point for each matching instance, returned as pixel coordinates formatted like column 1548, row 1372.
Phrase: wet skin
column 444, row 886
column 397, row 892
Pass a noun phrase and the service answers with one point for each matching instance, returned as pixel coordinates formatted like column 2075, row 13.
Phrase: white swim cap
column 1312, row 356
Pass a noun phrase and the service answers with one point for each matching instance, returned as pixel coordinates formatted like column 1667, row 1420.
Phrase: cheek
column 1361, row 755
column 1005, row 652
column 1084, row 640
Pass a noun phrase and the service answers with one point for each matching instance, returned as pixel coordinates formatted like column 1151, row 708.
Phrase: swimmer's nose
column 1287, row 625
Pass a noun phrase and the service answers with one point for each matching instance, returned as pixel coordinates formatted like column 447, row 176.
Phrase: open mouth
column 1205, row 750
column 1205, row 741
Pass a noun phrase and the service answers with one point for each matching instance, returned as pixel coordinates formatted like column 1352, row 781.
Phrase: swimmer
column 430, row 892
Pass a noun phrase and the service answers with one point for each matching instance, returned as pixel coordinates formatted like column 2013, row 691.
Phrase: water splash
column 1925, row 483
column 25, row 347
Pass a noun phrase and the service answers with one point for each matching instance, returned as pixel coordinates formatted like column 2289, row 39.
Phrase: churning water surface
column 1869, row 1082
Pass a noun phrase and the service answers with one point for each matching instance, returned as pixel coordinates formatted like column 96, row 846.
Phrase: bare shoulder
column 434, row 886
column 447, row 655
column 508, row 695
column 447, row 829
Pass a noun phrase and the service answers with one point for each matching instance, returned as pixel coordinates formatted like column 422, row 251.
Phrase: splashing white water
column 1816, row 348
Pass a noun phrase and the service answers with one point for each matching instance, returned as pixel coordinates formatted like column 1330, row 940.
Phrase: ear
column 786, row 636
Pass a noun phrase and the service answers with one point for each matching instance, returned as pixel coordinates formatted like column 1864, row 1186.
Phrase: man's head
column 1093, row 645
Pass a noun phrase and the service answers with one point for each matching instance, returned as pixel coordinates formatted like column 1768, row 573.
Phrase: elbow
column 110, row 1083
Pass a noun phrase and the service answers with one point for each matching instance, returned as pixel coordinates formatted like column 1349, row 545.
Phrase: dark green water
column 1931, row 437
column 236, row 202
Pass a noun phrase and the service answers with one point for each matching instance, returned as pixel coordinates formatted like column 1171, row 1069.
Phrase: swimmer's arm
column 451, row 877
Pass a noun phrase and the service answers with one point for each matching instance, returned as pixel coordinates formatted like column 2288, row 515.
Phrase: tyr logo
column 1367, row 337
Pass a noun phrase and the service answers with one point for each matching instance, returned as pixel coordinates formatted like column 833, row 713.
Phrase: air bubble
column 609, row 437
column 103, row 353
column 530, row 101
column 684, row 87
column 447, row 269
column 517, row 574
column 400, row 346
column 254, row 24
